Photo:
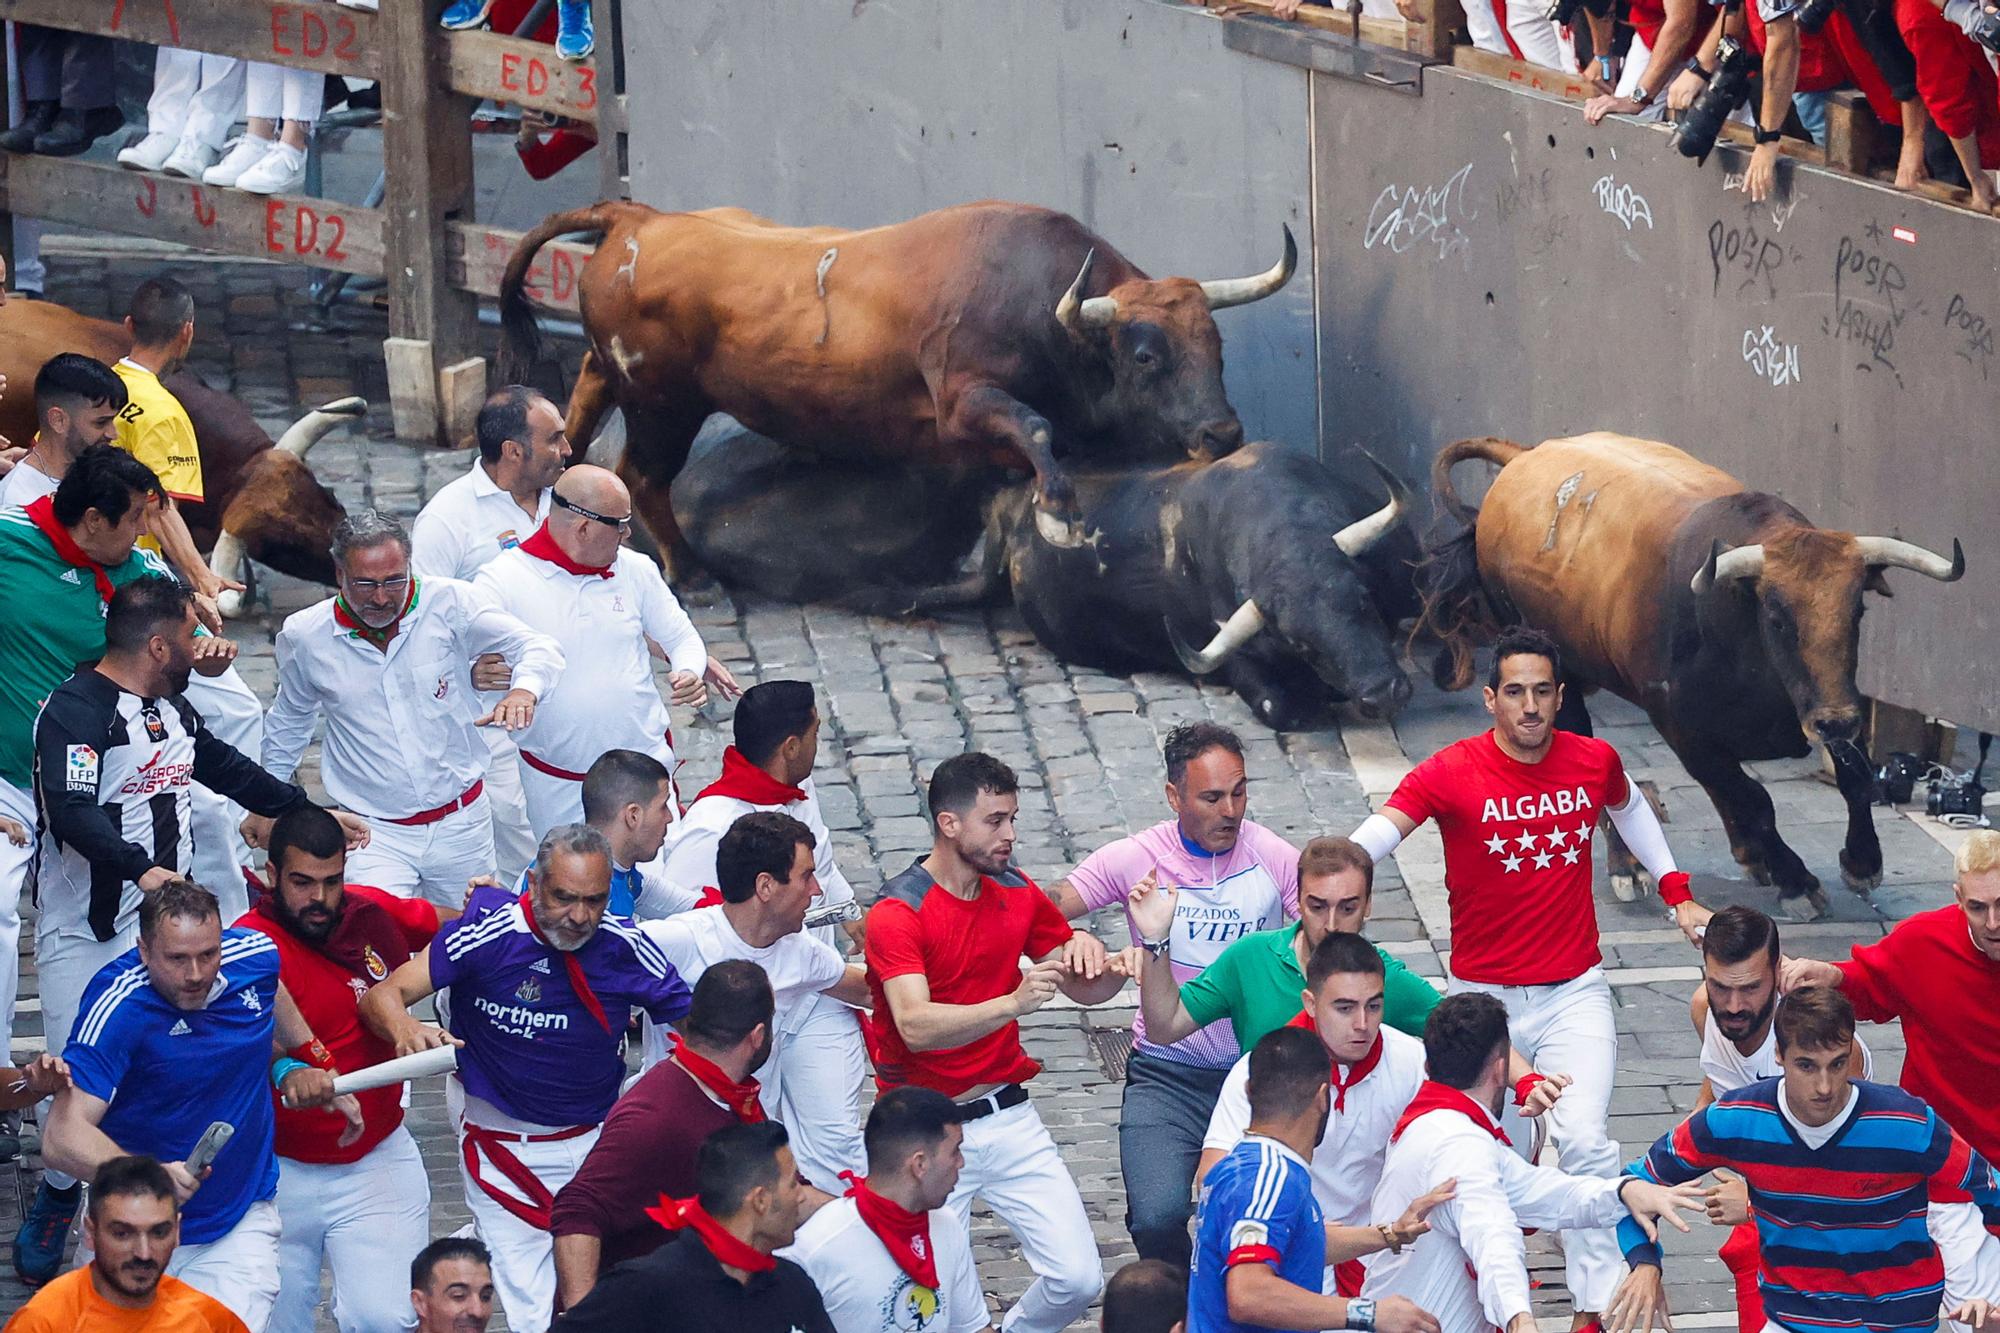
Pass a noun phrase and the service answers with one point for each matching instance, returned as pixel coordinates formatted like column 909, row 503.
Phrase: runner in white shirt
column 573, row 581
column 382, row 662
column 502, row 498
column 1471, row 1270
column 890, row 1256
column 770, row 768
column 1376, row 1070
column 765, row 865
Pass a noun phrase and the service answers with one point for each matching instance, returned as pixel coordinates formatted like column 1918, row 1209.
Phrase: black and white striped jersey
column 112, row 773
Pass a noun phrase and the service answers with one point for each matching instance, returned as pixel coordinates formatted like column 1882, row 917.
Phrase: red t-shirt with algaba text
column 1517, row 852
column 968, row 952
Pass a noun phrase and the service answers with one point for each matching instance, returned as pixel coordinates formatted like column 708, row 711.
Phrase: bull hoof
column 1626, row 888
column 1062, row 533
column 1802, row 907
column 1863, row 884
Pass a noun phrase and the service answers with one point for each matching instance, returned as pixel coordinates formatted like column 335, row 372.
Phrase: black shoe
column 40, row 118
column 75, row 131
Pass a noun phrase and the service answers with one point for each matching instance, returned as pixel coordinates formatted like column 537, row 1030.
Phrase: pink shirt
column 1253, row 886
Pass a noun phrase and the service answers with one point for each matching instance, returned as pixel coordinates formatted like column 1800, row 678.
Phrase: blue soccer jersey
column 168, row 1073
column 1257, row 1207
column 536, row 1046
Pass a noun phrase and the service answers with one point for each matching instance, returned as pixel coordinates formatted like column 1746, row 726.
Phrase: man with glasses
column 608, row 608
column 386, row 662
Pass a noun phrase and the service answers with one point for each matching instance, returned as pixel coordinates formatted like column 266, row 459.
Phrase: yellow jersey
column 154, row 428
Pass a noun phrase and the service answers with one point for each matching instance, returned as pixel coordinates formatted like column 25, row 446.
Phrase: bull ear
column 1877, row 582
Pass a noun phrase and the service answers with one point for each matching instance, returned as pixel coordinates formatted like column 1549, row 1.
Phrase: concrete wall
column 1130, row 116
column 1509, row 271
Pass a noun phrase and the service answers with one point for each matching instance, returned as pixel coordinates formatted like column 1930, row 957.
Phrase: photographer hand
column 1760, row 181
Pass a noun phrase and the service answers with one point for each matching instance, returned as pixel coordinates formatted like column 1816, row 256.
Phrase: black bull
column 1262, row 568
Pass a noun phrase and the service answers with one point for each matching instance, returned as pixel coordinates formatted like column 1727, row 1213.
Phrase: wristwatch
column 1158, row 948
column 1389, row 1238
column 1642, row 97
column 1696, row 68
column 1764, row 136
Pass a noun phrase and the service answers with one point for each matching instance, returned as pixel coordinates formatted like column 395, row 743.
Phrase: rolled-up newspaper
column 423, row 1064
column 833, row 915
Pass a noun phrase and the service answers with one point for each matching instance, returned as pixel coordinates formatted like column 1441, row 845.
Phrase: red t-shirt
column 1647, row 17
column 1517, row 852
column 1928, row 972
column 969, row 952
column 1953, row 78
column 329, row 995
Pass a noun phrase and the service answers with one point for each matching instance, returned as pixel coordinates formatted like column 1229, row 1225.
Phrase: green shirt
column 51, row 623
column 1257, row 981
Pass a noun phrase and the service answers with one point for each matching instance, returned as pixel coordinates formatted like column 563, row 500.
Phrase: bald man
column 575, row 581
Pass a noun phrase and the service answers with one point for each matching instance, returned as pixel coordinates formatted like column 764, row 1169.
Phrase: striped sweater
column 1845, row 1241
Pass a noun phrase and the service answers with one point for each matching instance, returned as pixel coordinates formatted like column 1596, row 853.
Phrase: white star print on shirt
column 1497, row 845
column 1583, row 834
column 1543, row 860
column 1511, row 864
column 1557, row 837
column 1526, row 841
column 1569, row 857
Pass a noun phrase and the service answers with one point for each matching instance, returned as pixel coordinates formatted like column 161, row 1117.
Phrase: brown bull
column 261, row 501
column 1723, row 612
column 991, row 334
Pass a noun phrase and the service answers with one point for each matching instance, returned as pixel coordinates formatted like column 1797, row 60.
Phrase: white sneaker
column 282, row 171
column 150, row 153
column 243, row 154
column 370, row 5
column 190, row 159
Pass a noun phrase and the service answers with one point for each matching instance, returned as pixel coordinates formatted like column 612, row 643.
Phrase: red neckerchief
column 361, row 629
column 543, row 547
column 743, row 781
column 710, row 897
column 1437, row 1097
column 906, row 1235
column 741, row 1098
column 43, row 512
column 674, row 1214
column 1357, row 1071
column 571, row 964
column 366, row 941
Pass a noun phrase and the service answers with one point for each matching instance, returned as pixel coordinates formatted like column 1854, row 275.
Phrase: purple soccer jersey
column 533, row 1047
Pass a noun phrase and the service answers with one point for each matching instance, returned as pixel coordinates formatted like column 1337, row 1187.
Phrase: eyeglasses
column 622, row 524
column 394, row 587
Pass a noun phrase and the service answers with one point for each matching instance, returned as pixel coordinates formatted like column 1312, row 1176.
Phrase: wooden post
column 427, row 143
column 614, row 171
column 1431, row 35
column 1851, row 132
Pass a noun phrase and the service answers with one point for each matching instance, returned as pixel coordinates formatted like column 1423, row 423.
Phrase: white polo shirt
column 798, row 965
column 398, row 739
column 1348, row 1161
column 607, row 698
column 865, row 1291
column 1478, row 1232
column 24, row 484
column 688, row 859
column 468, row 522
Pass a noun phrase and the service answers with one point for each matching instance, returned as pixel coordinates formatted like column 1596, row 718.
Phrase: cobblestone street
column 898, row 696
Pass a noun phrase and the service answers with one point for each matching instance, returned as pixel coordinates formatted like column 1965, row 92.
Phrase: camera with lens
column 1735, row 63
column 1564, row 11
column 1896, row 781
column 1955, row 794
column 1813, row 14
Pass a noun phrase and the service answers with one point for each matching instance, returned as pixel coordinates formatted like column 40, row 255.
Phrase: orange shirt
column 70, row 1304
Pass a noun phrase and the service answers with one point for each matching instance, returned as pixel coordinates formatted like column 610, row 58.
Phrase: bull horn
column 1241, row 627
column 1357, row 537
column 1909, row 555
column 308, row 430
column 1225, row 292
column 1077, row 312
column 226, row 562
column 1740, row 562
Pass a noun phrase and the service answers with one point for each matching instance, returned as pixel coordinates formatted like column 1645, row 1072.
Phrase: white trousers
column 514, row 839
column 1570, row 1029
column 366, row 1219
column 18, row 804
column 195, row 96
column 64, row 964
column 29, row 272
column 233, row 713
column 431, row 861
column 1012, row 1163
column 813, row 1088
column 241, row 1269
column 524, row 1257
column 272, row 92
column 1541, row 41
column 1636, row 58
column 553, row 800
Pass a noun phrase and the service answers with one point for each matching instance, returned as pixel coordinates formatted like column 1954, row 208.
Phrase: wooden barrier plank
column 476, row 258
column 297, row 33
column 1522, row 74
column 521, row 73
column 1382, row 32
column 322, row 232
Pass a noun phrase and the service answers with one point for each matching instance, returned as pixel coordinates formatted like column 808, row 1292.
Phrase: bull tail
column 521, row 336
column 1456, row 610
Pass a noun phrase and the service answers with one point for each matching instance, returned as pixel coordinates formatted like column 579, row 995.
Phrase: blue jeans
column 1812, row 114
column 1160, row 1128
